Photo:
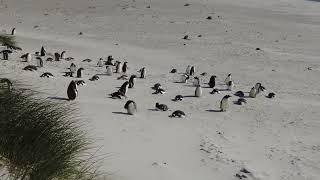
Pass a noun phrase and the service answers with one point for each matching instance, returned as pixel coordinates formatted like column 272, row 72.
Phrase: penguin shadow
column 189, row 96
column 179, row 82
column 123, row 113
column 153, row 109
column 213, row 110
column 59, row 98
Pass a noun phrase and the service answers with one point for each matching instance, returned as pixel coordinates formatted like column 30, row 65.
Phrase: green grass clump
column 9, row 41
column 42, row 140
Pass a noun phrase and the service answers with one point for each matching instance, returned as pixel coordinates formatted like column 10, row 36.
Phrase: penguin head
column 226, row 96
column 80, row 69
column 110, row 58
column 157, row 104
column 213, row 77
column 196, row 78
column 229, row 74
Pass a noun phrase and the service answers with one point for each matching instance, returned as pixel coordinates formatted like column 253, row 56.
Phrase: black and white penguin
column 79, row 73
column 241, row 101
column 43, row 51
column 196, row 81
column 73, row 68
column 49, row 59
column 271, row 95
column 57, row 56
column 156, row 86
column 230, row 85
column 212, row 81
column 117, row 94
column 62, row 55
column 47, row 75
column 39, row 62
column 125, row 67
column 228, row 79
column 259, row 88
column 185, row 78
column 118, row 66
column 161, row 107
column 192, row 71
column 13, row 32
column 198, row 91
column 178, row 98
column 253, row 92
column 124, row 88
column 188, row 70
column 80, row 82
column 69, row 58
column 131, row 107
column 100, row 62
column 94, row 78
column 6, row 53
column 109, row 70
column 215, row 91
column 109, row 61
column 239, row 94
column 224, row 104
column 142, row 72
column 27, row 57
column 72, row 90
column 132, row 81
column 173, row 70
column 87, row 60
column 159, row 91
column 178, row 113
column 122, row 77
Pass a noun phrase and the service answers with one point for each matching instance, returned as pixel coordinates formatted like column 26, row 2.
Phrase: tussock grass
column 9, row 41
column 41, row 139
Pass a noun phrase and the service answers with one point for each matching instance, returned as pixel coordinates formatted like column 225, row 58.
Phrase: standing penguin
column 27, row 57
column 109, row 61
column 125, row 67
column 142, row 72
column 253, row 92
column 230, row 85
column 188, row 70
column 72, row 91
column 196, row 82
column 109, row 71
column 118, row 67
column 132, row 81
column 224, row 104
column 184, row 78
column 212, row 82
column 43, row 51
column 259, row 88
column 100, row 62
column 131, row 107
column 79, row 73
column 73, row 69
column 57, row 56
column 192, row 71
column 124, row 88
column 62, row 54
column 198, row 91
column 13, row 32
column 39, row 62
column 229, row 78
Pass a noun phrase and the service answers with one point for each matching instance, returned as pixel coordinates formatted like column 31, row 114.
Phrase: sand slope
column 275, row 139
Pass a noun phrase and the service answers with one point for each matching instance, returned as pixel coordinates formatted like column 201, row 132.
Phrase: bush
column 9, row 41
column 41, row 140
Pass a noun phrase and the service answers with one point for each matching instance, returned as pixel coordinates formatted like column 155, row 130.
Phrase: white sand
column 275, row 139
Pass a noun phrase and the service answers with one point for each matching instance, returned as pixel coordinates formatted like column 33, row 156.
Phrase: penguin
column 100, row 62
column 178, row 113
column 132, row 81
column 39, row 62
column 188, row 69
column 271, row 95
column 253, row 92
column 203, row 74
column 47, row 75
column 124, row 88
column 185, row 78
column 73, row 68
column 196, row 81
column 69, row 58
column 87, row 60
column 117, row 94
column 159, row 91
column 57, row 56
column 122, row 77
column 192, row 71
column 43, row 51
column 212, row 81
column 109, row 61
column 118, row 67
column 94, row 78
column 198, row 91
column 259, row 88
column 142, row 72
column 156, row 86
column 13, row 32
column 230, row 85
column 173, row 70
column 80, row 82
column 161, row 107
column 131, row 107
column 30, row 68
column 49, row 59
column 125, row 67
column 215, row 91
column 224, row 104
column 109, row 71
column 229, row 78
column 178, row 98
column 72, row 91
column 27, row 57
column 62, row 54
column 239, row 94
column 6, row 53
column 79, row 73
column 241, row 101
